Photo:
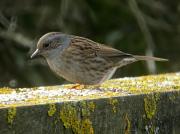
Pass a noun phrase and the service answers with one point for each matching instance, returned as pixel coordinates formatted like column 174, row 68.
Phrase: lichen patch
column 112, row 88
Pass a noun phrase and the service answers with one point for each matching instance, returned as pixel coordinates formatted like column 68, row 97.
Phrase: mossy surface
column 127, row 105
column 52, row 109
column 11, row 114
column 112, row 88
column 127, row 124
column 87, row 108
column 150, row 105
column 113, row 102
column 6, row 90
column 76, row 119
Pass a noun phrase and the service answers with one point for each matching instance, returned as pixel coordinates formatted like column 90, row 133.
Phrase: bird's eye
column 46, row 45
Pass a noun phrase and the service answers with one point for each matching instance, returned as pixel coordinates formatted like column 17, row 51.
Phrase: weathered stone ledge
column 147, row 104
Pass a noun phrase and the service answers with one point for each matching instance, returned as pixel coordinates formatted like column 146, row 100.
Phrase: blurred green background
column 144, row 27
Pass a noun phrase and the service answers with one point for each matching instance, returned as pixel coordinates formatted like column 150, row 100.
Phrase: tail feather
column 138, row 57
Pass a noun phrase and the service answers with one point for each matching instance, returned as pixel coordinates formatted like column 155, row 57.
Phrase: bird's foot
column 75, row 86
column 81, row 87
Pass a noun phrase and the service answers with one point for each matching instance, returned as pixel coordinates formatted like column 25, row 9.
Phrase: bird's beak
column 35, row 53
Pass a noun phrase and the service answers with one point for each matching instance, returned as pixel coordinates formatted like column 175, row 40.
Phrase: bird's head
column 51, row 44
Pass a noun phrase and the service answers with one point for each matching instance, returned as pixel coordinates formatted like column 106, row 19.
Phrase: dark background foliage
column 135, row 26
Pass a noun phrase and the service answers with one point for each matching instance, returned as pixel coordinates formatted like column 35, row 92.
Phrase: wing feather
column 106, row 51
column 92, row 48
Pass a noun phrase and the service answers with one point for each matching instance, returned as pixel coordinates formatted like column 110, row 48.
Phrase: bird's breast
column 63, row 68
column 82, row 71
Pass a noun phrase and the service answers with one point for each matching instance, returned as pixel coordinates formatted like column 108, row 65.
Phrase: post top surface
column 113, row 88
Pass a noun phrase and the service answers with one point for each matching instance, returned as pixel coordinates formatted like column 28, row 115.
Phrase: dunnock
column 83, row 61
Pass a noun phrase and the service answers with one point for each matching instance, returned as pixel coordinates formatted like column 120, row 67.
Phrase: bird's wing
column 91, row 48
column 105, row 51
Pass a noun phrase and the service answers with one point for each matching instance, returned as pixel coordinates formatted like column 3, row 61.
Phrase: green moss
column 128, row 125
column 71, row 119
column 114, row 103
column 52, row 109
column 150, row 105
column 11, row 114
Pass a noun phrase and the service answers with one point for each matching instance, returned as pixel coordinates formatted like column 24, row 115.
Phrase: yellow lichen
column 71, row 119
column 91, row 106
column 128, row 125
column 84, row 109
column 87, row 107
column 52, row 109
column 86, row 127
column 152, row 129
column 69, row 116
column 6, row 90
column 114, row 103
column 145, row 84
column 110, row 88
column 150, row 105
column 173, row 96
column 11, row 114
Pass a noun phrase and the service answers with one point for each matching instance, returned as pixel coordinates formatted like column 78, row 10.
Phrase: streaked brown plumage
column 83, row 61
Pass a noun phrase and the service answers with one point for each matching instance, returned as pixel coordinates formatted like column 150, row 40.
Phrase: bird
column 83, row 61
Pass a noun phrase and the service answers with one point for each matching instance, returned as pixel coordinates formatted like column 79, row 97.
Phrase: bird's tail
column 138, row 57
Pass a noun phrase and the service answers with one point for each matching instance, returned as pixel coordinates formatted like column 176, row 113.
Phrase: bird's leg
column 78, row 86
